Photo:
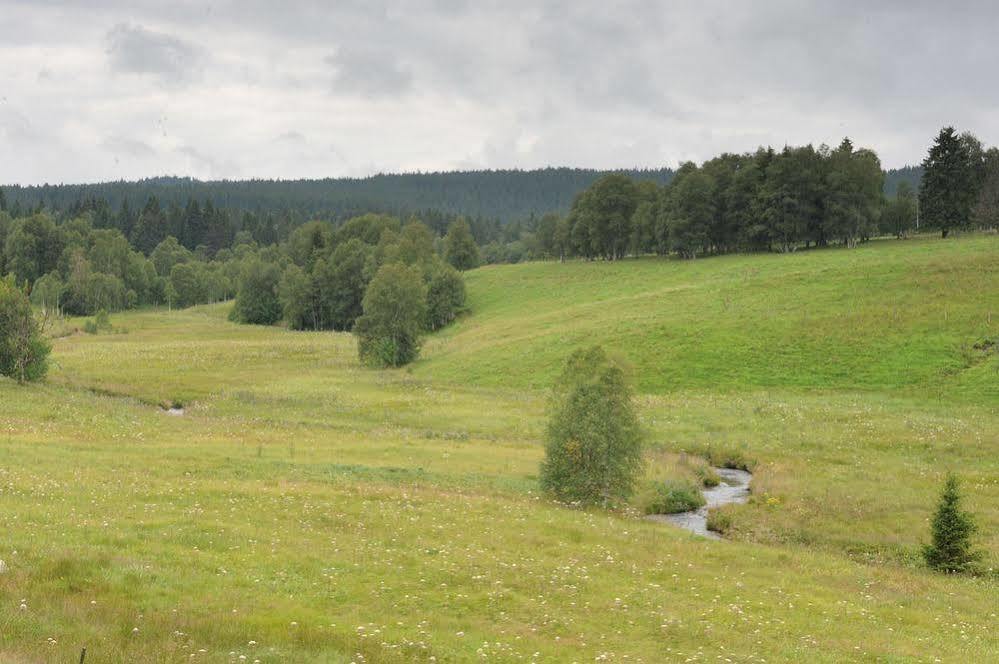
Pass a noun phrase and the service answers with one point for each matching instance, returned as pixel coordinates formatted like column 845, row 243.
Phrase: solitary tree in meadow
column 594, row 449
column 953, row 527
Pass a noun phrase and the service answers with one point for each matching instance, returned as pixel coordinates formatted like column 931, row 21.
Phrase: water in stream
column 734, row 488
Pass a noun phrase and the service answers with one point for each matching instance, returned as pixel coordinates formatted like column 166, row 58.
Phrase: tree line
column 389, row 282
column 782, row 201
column 74, row 267
column 502, row 195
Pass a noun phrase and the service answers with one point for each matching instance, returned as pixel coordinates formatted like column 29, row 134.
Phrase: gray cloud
column 17, row 128
column 127, row 147
column 205, row 165
column 368, row 71
column 292, row 136
column 134, row 49
column 263, row 89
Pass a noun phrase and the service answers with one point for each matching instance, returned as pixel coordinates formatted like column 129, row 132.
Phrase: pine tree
column 952, row 530
column 150, row 229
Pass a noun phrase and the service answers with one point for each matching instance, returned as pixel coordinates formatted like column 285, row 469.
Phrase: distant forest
column 504, row 195
column 895, row 176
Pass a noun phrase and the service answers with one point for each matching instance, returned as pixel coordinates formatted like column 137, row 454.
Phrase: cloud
column 291, row 137
column 133, row 49
column 261, row 88
column 204, row 165
column 17, row 128
column 122, row 146
column 369, row 72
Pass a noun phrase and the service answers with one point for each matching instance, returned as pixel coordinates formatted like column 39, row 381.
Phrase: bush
column 100, row 322
column 707, row 476
column 23, row 351
column 724, row 457
column 103, row 320
column 395, row 309
column 671, row 497
column 594, row 449
column 951, row 550
column 719, row 520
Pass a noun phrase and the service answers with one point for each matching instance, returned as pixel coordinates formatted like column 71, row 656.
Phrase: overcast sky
column 104, row 90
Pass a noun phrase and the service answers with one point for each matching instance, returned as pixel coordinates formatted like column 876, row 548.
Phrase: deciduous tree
column 593, row 453
column 395, row 310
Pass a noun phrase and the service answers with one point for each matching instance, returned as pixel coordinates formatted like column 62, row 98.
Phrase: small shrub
column 707, row 476
column 102, row 320
column 719, row 520
column 725, row 457
column 671, row 497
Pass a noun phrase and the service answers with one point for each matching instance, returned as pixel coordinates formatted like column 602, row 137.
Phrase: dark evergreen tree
column 948, row 187
column 951, row 549
column 985, row 213
column 192, row 231
column 150, row 229
column 125, row 218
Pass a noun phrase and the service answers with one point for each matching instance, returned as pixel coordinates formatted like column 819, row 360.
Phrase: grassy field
column 306, row 509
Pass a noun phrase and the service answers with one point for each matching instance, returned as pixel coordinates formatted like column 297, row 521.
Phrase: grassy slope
column 887, row 316
column 325, row 511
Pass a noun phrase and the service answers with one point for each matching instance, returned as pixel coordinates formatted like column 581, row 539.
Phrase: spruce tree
column 948, row 187
column 951, row 550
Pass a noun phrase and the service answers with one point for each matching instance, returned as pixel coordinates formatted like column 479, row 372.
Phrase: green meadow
column 304, row 508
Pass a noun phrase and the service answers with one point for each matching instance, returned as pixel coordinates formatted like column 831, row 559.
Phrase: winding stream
column 734, row 488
